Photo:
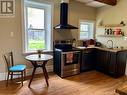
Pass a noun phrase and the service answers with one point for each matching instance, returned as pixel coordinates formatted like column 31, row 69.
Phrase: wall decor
column 7, row 8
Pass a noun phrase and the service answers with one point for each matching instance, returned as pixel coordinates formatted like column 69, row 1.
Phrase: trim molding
column 3, row 76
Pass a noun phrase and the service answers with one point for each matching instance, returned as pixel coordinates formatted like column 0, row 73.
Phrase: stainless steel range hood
column 64, row 17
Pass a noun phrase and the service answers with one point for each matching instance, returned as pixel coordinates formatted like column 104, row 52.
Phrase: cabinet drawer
column 88, row 50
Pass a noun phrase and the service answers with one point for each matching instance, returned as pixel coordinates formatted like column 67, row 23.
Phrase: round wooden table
column 35, row 59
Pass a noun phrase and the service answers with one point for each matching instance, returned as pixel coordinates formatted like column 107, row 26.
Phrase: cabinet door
column 87, row 61
column 102, row 58
column 99, row 59
column 117, row 63
column 121, row 63
column 112, row 64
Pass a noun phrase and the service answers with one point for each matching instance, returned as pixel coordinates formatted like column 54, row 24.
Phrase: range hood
column 64, row 17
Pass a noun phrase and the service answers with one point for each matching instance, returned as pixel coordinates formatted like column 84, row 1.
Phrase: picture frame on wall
column 7, row 8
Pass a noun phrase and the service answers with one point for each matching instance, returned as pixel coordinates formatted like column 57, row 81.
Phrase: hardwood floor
column 88, row 83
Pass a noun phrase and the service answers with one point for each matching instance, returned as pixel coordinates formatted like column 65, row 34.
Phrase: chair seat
column 19, row 67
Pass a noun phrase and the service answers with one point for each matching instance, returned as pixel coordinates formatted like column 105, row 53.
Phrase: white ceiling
column 92, row 3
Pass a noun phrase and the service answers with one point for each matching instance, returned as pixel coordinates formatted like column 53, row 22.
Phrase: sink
column 111, row 46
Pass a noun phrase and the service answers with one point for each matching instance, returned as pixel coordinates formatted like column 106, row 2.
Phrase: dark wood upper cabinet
column 109, row 2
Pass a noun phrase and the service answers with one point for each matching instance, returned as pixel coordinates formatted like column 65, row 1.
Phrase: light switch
column 12, row 34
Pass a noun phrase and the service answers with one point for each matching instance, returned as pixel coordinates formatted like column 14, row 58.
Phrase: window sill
column 45, row 52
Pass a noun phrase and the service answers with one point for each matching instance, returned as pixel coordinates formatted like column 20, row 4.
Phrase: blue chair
column 19, row 69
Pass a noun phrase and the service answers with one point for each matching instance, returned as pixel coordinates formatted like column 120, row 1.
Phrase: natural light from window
column 35, row 18
column 36, row 33
column 86, row 30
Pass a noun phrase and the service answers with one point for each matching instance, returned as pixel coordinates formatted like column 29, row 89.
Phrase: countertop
column 105, row 49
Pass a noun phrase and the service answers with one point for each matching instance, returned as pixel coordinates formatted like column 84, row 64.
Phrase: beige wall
column 8, row 43
column 8, row 25
column 113, row 15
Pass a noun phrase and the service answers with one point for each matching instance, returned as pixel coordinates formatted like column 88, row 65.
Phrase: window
column 38, row 20
column 86, row 30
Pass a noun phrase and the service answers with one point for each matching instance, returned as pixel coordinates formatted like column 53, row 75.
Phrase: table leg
column 46, row 78
column 32, row 76
column 46, row 72
column 45, row 69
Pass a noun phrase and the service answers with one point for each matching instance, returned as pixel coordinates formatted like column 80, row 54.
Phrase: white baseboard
column 3, row 76
column 49, row 68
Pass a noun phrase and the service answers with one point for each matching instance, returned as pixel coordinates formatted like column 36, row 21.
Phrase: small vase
column 39, row 53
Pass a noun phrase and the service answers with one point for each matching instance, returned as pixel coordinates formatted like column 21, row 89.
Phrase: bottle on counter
column 106, row 31
column 110, row 31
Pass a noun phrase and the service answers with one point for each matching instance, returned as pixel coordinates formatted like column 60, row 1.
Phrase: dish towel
column 69, row 58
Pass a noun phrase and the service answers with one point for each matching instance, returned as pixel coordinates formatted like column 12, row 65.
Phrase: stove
column 66, row 59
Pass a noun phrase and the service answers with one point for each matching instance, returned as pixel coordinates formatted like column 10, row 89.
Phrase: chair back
column 9, row 59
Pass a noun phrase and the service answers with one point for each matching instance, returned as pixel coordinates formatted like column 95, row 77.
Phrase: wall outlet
column 12, row 34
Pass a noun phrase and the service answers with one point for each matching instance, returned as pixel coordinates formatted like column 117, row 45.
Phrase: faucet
column 111, row 43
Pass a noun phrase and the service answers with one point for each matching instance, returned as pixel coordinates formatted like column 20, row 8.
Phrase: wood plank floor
column 88, row 83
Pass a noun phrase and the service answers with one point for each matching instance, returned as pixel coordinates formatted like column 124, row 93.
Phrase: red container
column 117, row 31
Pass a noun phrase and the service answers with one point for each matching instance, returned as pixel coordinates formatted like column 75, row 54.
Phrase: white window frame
column 49, row 27
column 92, row 34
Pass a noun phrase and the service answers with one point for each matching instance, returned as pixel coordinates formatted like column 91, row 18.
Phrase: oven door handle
column 70, row 52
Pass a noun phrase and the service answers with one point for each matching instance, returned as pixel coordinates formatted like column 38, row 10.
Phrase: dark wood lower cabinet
column 87, row 60
column 121, row 63
column 117, row 63
column 102, row 60
column 111, row 63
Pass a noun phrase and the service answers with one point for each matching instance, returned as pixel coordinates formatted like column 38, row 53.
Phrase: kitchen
column 104, row 16
column 107, row 48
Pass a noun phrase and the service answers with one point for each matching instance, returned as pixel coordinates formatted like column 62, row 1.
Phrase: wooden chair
column 19, row 69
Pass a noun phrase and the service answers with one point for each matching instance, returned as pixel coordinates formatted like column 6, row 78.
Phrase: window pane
column 86, row 30
column 84, row 35
column 35, row 18
column 36, row 39
column 84, row 27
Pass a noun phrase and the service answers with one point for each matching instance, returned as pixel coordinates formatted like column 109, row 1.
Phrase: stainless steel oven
column 66, row 59
column 72, row 67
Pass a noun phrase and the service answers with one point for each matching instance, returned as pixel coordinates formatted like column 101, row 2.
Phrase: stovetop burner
column 65, row 47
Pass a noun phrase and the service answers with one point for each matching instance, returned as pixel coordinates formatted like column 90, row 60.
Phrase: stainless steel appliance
column 66, row 60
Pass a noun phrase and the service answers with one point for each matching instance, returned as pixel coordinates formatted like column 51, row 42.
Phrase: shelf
column 111, row 25
column 109, row 36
